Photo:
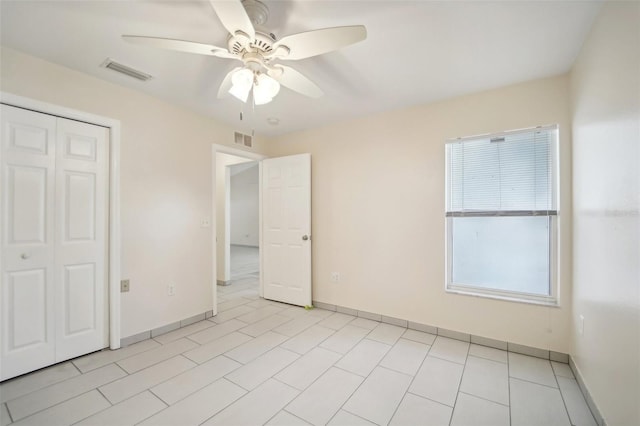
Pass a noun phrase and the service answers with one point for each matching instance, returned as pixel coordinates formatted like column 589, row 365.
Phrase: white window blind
column 510, row 174
column 501, row 210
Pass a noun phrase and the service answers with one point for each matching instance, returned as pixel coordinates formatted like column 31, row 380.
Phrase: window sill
column 529, row 299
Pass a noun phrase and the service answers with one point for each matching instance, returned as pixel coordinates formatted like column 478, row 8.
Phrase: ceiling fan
column 260, row 51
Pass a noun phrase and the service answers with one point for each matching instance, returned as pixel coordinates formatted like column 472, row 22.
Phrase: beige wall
column 378, row 211
column 605, row 88
column 165, row 186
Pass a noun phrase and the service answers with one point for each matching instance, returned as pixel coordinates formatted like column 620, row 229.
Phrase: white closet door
column 81, row 220
column 54, row 204
column 27, row 286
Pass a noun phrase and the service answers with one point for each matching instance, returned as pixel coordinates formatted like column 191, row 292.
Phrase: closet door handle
column 25, row 256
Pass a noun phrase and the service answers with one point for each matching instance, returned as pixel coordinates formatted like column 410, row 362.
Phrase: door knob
column 24, row 256
column 305, row 237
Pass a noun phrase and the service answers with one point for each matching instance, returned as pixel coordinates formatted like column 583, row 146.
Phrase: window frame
column 553, row 215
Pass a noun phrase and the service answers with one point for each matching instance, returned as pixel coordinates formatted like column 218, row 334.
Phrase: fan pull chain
column 253, row 110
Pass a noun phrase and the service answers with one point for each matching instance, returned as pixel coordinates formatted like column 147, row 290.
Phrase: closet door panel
column 27, row 177
column 81, row 229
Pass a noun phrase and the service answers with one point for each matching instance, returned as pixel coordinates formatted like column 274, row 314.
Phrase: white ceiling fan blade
column 317, row 42
column 233, row 17
column 180, row 46
column 294, row 80
column 226, row 83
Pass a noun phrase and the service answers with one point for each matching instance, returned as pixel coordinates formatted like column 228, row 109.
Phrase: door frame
column 114, row 234
column 224, row 149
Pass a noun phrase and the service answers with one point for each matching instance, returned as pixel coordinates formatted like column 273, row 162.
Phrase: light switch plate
column 124, row 286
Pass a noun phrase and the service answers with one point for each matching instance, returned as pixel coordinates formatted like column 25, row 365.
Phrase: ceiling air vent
column 123, row 69
column 242, row 139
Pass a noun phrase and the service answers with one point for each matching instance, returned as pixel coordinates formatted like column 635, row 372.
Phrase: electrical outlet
column 335, row 277
column 171, row 290
column 206, row 222
column 581, row 325
column 124, row 286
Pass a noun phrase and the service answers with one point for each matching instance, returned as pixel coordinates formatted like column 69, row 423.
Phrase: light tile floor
column 243, row 260
column 260, row 362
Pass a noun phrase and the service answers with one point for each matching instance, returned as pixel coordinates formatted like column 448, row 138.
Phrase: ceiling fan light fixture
column 265, row 89
column 267, row 85
column 242, row 81
column 240, row 92
column 245, row 80
column 260, row 99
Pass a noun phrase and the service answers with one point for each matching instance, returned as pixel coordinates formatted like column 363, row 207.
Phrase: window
column 501, row 215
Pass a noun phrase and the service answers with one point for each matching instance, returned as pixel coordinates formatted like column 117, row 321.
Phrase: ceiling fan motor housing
column 262, row 43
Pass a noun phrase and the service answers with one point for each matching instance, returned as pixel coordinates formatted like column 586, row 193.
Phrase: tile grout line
column 318, row 378
column 47, row 386
column 353, row 414
column 59, row 403
column 288, row 412
column 159, row 411
column 405, row 392
column 555, row 377
column 105, row 397
column 395, row 411
column 413, row 379
column 8, row 412
column 376, row 366
column 509, row 387
column 534, row 383
column 149, row 389
column 483, row 398
column 69, row 399
column 122, row 359
column 155, row 363
column 222, row 409
column 242, row 365
column 436, row 402
column 448, row 360
column 486, row 358
column 165, row 402
column 75, row 366
column 99, row 411
column 464, row 367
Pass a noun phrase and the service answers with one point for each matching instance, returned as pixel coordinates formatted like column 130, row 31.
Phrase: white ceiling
column 416, row 51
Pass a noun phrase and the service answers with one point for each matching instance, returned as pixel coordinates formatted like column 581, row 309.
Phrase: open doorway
column 243, row 223
column 284, row 188
column 237, row 226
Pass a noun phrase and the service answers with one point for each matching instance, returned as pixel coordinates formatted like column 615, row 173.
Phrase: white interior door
column 286, row 229
column 81, row 227
column 27, row 259
column 53, row 176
